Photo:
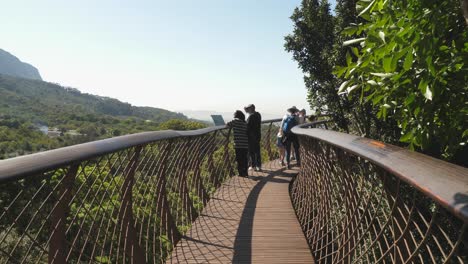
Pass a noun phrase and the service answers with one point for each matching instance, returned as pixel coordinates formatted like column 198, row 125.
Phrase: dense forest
column 395, row 71
column 26, row 105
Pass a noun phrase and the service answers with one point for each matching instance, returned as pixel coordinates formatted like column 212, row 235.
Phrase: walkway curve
column 248, row 220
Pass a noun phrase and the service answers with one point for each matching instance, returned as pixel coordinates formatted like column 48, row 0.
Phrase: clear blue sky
column 179, row 55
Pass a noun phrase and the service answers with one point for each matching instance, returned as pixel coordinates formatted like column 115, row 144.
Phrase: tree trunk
column 464, row 7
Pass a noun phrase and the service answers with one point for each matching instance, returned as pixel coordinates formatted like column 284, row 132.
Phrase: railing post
column 166, row 217
column 57, row 245
column 184, row 191
column 226, row 153
column 197, row 175
column 131, row 246
column 213, row 175
column 349, row 195
column 400, row 221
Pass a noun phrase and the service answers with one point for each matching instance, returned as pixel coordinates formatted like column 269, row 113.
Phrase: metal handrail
column 125, row 198
column 361, row 200
column 435, row 178
column 19, row 167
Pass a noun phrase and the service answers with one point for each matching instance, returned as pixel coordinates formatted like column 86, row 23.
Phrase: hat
column 292, row 109
column 249, row 106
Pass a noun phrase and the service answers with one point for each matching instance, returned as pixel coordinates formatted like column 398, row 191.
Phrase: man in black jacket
column 254, row 135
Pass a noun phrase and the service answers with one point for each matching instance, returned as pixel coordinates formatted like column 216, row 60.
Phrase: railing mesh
column 353, row 211
column 135, row 203
column 129, row 206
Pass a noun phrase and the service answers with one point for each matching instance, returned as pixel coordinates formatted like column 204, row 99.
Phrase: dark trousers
column 254, row 154
column 242, row 161
column 292, row 139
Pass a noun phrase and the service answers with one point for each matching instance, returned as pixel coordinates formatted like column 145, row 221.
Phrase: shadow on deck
column 248, row 220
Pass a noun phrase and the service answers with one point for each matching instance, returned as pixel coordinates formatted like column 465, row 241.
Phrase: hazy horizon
column 208, row 56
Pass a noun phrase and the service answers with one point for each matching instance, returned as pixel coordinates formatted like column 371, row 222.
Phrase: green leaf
column 443, row 48
column 409, row 99
column 353, row 41
column 422, row 85
column 349, row 31
column 352, row 88
column 408, row 137
column 349, row 59
column 425, row 89
column 387, row 64
column 382, row 36
column 428, row 93
column 343, row 87
column 377, row 99
column 408, row 61
column 430, row 65
column 382, row 75
column 340, row 70
column 368, row 7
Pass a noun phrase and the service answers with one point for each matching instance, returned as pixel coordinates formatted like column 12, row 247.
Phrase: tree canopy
column 390, row 70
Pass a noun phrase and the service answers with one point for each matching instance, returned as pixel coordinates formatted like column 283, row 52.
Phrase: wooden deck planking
column 247, row 221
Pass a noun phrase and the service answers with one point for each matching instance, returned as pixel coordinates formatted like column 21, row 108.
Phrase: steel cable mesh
column 353, row 211
column 131, row 205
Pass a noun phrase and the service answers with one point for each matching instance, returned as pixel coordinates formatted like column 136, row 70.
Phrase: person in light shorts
column 280, row 145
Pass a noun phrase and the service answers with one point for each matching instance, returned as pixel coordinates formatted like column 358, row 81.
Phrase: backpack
column 289, row 123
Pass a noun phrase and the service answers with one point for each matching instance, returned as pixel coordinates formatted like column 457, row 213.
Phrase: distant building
column 55, row 132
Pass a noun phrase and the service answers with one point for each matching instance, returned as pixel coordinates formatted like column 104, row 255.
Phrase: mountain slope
column 43, row 102
column 11, row 65
column 37, row 116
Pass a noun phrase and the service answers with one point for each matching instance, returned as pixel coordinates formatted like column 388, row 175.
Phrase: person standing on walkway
column 241, row 144
column 288, row 122
column 280, row 145
column 254, row 122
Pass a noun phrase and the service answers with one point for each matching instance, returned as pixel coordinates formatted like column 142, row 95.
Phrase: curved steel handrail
column 19, row 167
column 132, row 196
column 361, row 200
column 438, row 179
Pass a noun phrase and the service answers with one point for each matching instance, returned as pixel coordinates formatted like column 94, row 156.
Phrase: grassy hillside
column 37, row 98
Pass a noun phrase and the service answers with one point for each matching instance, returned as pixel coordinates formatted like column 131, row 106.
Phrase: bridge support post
column 131, row 246
column 400, row 215
column 184, row 192
column 57, row 245
column 345, row 245
column 166, row 217
column 227, row 159
column 213, row 175
column 197, row 180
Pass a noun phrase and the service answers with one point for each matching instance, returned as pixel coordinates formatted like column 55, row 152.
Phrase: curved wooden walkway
column 248, row 220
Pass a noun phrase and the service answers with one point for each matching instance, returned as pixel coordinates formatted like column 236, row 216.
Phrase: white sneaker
column 258, row 169
column 251, row 168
